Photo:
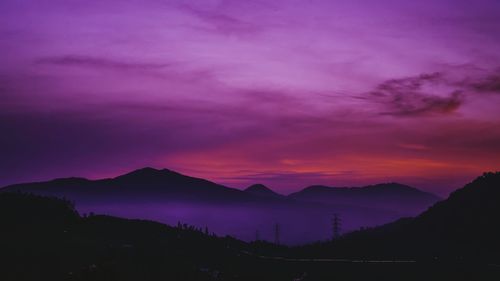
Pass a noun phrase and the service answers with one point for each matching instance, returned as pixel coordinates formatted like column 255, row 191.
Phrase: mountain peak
column 146, row 173
column 316, row 188
column 260, row 189
column 145, row 170
column 391, row 186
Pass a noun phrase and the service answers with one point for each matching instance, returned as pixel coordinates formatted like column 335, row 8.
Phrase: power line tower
column 277, row 234
column 257, row 235
column 336, row 226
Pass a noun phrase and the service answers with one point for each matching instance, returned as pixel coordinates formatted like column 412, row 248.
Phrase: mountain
column 262, row 190
column 167, row 196
column 464, row 226
column 391, row 196
column 144, row 184
column 162, row 184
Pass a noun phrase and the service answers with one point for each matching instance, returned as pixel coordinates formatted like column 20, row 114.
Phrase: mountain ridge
column 149, row 174
column 383, row 195
column 144, row 182
column 168, row 196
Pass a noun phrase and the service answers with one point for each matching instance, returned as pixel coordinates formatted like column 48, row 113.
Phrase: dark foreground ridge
column 46, row 239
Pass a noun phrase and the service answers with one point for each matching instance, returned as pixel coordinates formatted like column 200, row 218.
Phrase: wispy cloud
column 220, row 22
column 490, row 84
column 133, row 68
column 418, row 95
column 100, row 63
column 421, row 105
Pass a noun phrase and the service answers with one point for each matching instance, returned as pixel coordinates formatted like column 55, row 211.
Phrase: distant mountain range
column 390, row 196
column 164, row 184
column 169, row 196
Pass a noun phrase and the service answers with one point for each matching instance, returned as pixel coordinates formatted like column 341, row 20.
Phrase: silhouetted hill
column 45, row 239
column 464, row 226
column 20, row 210
column 262, row 190
column 143, row 184
column 391, row 196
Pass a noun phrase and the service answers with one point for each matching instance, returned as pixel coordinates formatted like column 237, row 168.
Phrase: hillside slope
column 464, row 226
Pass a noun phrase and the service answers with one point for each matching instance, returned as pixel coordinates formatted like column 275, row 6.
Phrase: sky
column 286, row 93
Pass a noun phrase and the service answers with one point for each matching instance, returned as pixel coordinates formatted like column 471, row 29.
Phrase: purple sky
column 287, row 93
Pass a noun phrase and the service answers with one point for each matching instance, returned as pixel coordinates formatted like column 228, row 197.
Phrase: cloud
column 421, row 105
column 133, row 69
column 220, row 22
column 99, row 63
column 418, row 95
column 490, row 84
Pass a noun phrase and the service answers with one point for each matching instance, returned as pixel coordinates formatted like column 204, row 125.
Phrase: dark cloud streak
column 490, row 84
column 99, row 63
column 410, row 96
column 220, row 22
